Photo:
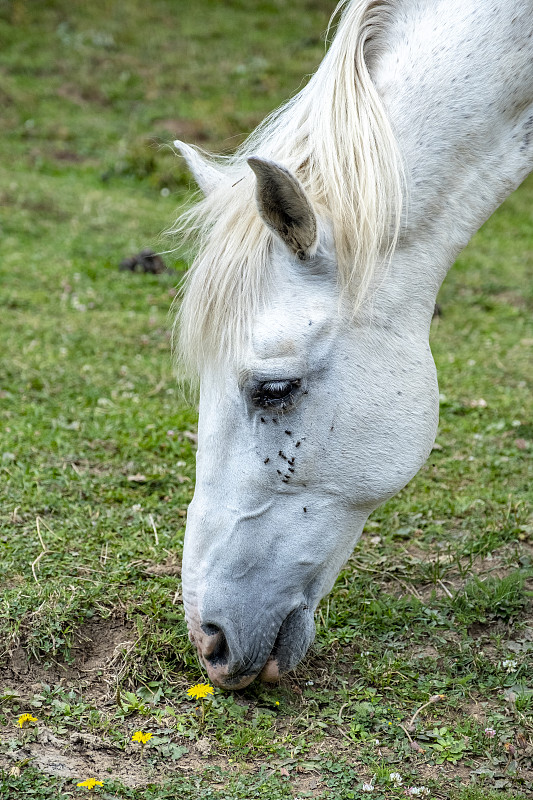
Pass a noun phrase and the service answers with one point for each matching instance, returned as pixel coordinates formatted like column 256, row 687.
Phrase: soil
column 97, row 647
column 97, row 655
column 83, row 755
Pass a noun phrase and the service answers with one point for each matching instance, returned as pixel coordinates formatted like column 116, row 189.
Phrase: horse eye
column 275, row 394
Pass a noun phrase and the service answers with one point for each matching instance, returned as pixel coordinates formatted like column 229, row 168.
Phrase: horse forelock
column 334, row 135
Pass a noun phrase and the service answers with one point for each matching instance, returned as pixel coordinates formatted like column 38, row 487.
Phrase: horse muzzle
column 267, row 651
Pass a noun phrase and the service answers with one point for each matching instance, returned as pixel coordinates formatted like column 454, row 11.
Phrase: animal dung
column 145, row 261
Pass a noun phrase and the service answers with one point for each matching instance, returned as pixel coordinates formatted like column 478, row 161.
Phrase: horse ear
column 205, row 174
column 284, row 207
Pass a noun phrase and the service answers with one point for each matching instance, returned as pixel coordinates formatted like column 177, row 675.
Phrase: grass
column 97, row 454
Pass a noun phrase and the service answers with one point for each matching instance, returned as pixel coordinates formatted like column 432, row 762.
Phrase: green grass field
column 97, row 454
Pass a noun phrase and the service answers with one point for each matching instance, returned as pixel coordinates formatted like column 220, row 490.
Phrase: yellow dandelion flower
column 141, row 737
column 90, row 783
column 200, row 690
column 24, row 718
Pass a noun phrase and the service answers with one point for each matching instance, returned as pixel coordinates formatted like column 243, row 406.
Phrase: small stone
column 203, row 746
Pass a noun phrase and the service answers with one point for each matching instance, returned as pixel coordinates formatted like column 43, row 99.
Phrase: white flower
column 510, row 665
column 395, row 778
column 417, row 791
column 367, row 787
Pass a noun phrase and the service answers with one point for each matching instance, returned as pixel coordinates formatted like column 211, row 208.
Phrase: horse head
column 316, row 421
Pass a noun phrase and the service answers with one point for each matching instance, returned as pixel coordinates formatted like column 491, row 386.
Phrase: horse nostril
column 210, row 630
column 215, row 650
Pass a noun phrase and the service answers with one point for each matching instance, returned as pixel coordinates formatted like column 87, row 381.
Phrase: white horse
column 321, row 246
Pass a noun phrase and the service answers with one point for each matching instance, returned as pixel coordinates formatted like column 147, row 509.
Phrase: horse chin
column 270, row 672
column 292, row 643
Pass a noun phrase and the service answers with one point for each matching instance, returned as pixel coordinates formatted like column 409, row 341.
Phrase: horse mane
column 334, row 135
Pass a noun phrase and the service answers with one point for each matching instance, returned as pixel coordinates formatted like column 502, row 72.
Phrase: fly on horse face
column 320, row 247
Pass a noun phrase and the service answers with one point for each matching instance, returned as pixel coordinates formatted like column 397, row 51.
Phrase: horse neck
column 456, row 80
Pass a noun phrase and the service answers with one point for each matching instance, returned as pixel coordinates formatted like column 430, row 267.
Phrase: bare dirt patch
column 82, row 754
column 97, row 650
